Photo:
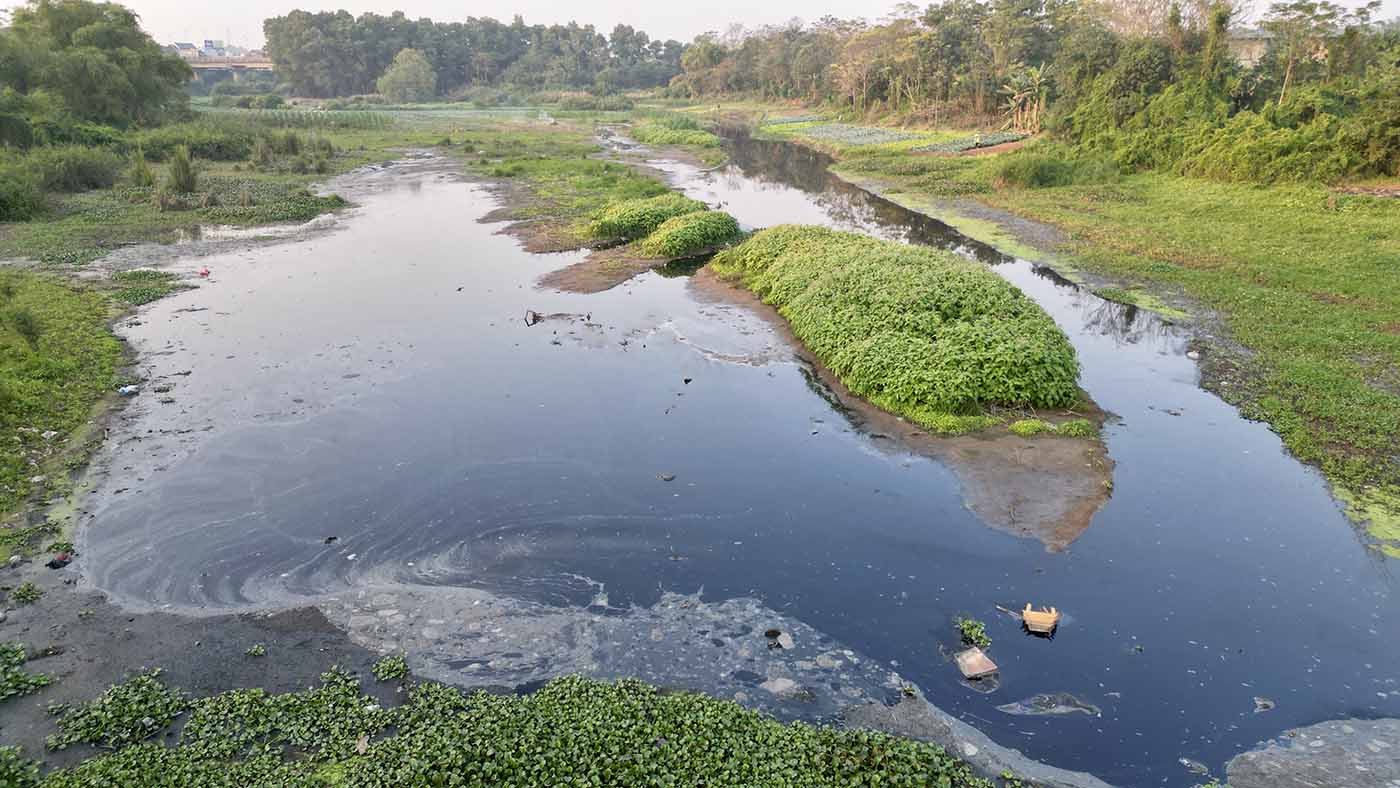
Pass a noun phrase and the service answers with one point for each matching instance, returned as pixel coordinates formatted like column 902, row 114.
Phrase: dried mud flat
column 1043, row 488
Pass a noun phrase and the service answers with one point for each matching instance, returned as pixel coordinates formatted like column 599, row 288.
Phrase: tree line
column 971, row 56
column 71, row 60
column 1151, row 83
column 336, row 54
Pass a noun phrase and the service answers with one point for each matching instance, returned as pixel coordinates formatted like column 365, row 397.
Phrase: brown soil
column 1374, row 191
column 603, row 269
column 1042, row 487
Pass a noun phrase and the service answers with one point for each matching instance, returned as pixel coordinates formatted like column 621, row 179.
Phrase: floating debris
column 1041, row 622
column 1047, row 704
column 1195, row 767
column 974, row 663
column 1262, row 705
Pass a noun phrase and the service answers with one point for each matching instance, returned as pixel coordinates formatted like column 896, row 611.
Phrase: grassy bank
column 573, row 731
column 57, row 358
column 917, row 331
column 249, row 168
column 1304, row 277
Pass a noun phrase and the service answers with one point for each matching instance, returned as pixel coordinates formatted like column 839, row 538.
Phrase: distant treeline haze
column 336, row 54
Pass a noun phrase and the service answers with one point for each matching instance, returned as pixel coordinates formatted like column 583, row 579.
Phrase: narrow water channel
column 368, row 408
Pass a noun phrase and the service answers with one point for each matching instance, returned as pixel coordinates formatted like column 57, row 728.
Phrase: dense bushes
column 920, row 332
column 639, row 218
column 674, row 129
column 221, row 141
column 690, row 233
column 1053, row 165
column 1207, row 128
column 265, row 101
column 72, row 168
column 21, row 196
column 595, row 103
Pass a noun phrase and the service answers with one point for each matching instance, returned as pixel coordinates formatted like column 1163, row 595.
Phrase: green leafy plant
column 917, row 331
column 657, row 134
column 27, row 325
column 638, row 218
column 126, row 713
column 14, row 681
column 26, row 594
column 1078, row 428
column 256, row 650
column 391, row 667
column 182, row 177
column 690, row 233
column 1029, row 427
column 16, row 771
column 142, row 286
column 333, row 733
column 139, row 172
column 972, row 632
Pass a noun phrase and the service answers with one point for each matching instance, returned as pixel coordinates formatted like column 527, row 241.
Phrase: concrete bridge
column 234, row 64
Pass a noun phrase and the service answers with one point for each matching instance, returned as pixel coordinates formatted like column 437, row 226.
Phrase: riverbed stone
column 1351, row 753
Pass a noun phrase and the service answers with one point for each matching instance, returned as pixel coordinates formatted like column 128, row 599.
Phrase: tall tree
column 95, row 59
column 409, row 78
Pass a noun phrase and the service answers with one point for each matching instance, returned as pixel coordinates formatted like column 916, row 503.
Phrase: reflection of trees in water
column 1129, row 324
column 769, row 164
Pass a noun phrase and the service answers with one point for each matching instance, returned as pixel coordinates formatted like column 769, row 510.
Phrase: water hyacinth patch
column 640, row 217
column 14, row 680
column 573, row 731
column 691, row 233
column 920, row 332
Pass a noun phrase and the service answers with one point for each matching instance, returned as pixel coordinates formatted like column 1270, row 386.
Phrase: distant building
column 1248, row 45
column 186, row 50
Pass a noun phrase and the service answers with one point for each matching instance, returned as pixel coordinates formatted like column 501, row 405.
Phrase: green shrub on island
column 1028, row 427
column 920, row 332
column 640, row 217
column 674, row 129
column 691, row 233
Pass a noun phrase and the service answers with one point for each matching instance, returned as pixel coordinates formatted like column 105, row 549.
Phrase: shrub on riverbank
column 918, row 331
column 674, row 129
column 57, row 358
column 690, row 233
column 21, row 195
column 639, row 218
column 72, row 168
column 572, row 730
column 1053, row 165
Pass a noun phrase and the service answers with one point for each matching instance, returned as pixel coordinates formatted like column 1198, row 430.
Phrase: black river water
column 366, row 405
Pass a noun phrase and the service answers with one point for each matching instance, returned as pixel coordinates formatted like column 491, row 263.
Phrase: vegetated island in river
column 919, row 345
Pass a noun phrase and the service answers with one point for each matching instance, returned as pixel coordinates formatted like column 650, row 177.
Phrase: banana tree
column 1026, row 90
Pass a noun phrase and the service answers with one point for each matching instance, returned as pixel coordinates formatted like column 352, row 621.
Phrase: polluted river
column 390, row 419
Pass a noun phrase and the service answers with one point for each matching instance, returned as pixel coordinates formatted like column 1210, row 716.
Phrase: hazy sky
column 240, row 21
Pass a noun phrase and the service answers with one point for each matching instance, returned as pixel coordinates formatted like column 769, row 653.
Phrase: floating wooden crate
column 1040, row 621
column 975, row 664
